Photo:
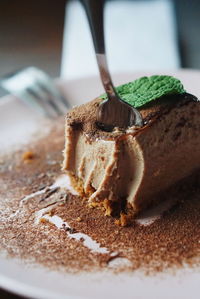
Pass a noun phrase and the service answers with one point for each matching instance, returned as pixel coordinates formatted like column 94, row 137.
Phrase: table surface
column 31, row 34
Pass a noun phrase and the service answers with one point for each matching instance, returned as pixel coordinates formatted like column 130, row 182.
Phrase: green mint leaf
column 146, row 89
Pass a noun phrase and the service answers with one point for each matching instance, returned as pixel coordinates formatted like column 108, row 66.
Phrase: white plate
column 38, row 282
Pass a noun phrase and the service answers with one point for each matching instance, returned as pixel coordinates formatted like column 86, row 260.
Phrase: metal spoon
column 112, row 112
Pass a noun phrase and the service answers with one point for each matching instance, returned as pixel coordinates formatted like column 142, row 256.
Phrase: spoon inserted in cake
column 112, row 112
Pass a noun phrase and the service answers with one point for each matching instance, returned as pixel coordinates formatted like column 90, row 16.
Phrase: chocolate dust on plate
column 41, row 222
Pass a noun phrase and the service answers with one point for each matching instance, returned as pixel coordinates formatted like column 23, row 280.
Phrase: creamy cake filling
column 108, row 169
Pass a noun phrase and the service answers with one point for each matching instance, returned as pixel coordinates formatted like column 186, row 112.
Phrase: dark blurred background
column 31, row 33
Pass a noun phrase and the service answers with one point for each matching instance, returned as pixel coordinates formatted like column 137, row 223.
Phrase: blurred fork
column 36, row 89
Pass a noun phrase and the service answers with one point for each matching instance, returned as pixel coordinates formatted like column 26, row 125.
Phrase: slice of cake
column 130, row 167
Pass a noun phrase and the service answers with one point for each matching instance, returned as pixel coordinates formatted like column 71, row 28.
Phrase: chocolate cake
column 131, row 167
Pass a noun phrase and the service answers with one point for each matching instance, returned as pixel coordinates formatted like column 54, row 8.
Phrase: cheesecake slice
column 132, row 167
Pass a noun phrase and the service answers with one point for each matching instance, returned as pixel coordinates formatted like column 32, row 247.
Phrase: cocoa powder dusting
column 84, row 117
column 171, row 241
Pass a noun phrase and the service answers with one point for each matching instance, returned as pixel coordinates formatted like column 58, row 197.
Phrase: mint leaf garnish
column 147, row 89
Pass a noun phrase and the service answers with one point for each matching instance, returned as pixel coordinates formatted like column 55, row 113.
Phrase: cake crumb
column 51, row 213
column 28, row 156
column 77, row 184
column 43, row 220
column 107, row 206
column 124, row 220
column 94, row 204
column 78, row 219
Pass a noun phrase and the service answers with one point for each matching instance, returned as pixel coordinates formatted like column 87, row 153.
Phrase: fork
column 36, row 89
column 113, row 112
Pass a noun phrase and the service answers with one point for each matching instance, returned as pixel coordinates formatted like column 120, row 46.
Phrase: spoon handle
column 94, row 10
column 95, row 13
